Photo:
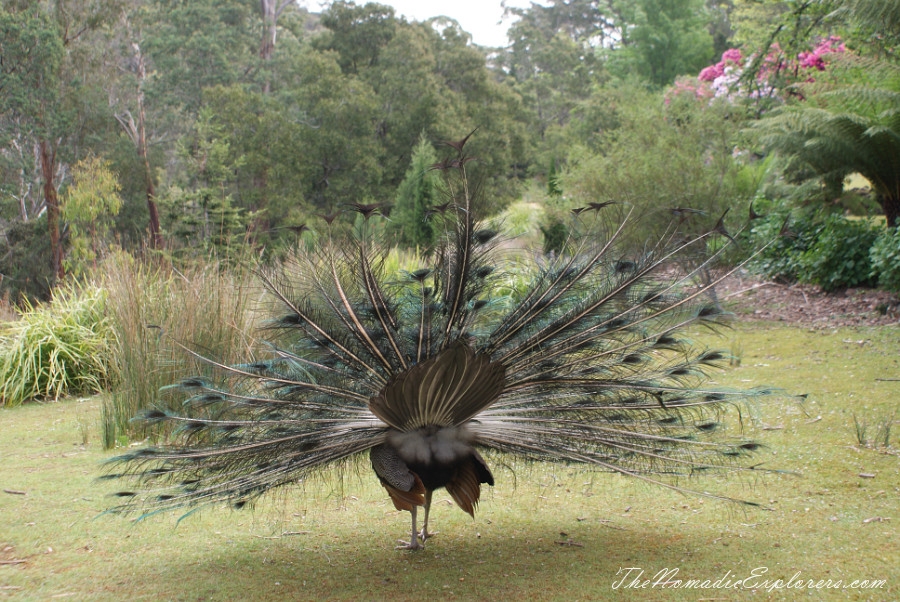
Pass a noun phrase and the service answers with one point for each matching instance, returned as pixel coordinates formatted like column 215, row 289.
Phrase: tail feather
column 585, row 363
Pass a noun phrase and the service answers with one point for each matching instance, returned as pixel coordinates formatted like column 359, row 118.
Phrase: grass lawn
column 545, row 532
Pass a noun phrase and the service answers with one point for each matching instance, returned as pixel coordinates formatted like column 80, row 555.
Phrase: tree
column 552, row 58
column 475, row 99
column 89, row 206
column 204, row 215
column 271, row 11
column 358, row 33
column 50, row 94
column 265, row 135
column 136, row 130
column 421, row 189
column 855, row 129
column 664, row 39
column 412, row 98
column 335, row 157
column 196, row 45
column 33, row 55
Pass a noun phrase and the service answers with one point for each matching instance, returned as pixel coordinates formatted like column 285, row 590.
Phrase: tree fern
column 852, row 129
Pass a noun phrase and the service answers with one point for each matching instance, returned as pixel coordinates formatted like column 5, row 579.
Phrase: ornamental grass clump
column 161, row 314
column 56, row 349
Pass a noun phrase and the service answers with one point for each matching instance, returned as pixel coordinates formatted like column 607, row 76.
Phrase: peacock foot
column 424, row 534
column 413, row 545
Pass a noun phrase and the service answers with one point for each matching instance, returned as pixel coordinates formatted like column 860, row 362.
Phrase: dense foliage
column 61, row 348
column 885, row 257
column 839, row 257
column 176, row 132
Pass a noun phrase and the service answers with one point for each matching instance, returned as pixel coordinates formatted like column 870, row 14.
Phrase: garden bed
column 752, row 298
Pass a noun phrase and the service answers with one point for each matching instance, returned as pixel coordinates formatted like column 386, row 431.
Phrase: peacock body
column 424, row 369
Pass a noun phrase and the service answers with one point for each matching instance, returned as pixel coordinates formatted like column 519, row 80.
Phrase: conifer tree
column 420, row 190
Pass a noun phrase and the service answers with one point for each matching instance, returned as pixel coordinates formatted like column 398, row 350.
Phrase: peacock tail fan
column 582, row 357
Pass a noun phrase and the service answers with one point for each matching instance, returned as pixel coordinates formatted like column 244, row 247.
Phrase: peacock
column 580, row 357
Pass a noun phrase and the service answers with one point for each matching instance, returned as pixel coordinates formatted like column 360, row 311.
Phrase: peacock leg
column 413, row 543
column 424, row 534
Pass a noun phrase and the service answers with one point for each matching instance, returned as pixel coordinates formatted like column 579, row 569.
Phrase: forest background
column 222, row 128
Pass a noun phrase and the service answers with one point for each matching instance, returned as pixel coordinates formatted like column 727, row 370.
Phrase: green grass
column 333, row 539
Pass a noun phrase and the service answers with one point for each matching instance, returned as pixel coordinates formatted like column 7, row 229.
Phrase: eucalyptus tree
column 47, row 101
column 32, row 58
column 30, row 124
column 126, row 90
column 662, row 39
column 552, row 58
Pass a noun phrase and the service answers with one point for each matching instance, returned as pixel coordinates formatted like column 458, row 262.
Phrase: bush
column 885, row 257
column 60, row 348
column 153, row 310
column 831, row 251
column 25, row 266
column 781, row 252
column 556, row 234
column 661, row 159
column 839, row 258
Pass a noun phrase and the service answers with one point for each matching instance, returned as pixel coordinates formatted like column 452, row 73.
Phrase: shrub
column 556, row 234
column 783, row 240
column 885, row 258
column 839, row 258
column 832, row 251
column 25, row 266
column 661, row 159
column 153, row 310
column 520, row 219
column 56, row 349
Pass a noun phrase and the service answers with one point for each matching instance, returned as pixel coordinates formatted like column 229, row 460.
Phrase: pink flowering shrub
column 722, row 80
column 731, row 60
column 688, row 86
column 813, row 60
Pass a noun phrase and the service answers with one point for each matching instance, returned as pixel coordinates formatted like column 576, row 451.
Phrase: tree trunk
column 267, row 46
column 140, row 140
column 271, row 10
column 891, row 207
column 23, row 187
column 51, row 200
column 269, row 16
column 155, row 233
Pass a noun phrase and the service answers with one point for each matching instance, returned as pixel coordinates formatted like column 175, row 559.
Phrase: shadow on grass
column 524, row 563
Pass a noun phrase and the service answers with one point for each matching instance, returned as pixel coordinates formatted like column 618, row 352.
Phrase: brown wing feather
column 405, row 500
column 403, row 485
column 481, row 469
column 464, row 488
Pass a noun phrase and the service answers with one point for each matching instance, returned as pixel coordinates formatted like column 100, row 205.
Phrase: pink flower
column 814, row 60
column 730, row 57
column 732, row 54
column 710, row 73
column 811, row 60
